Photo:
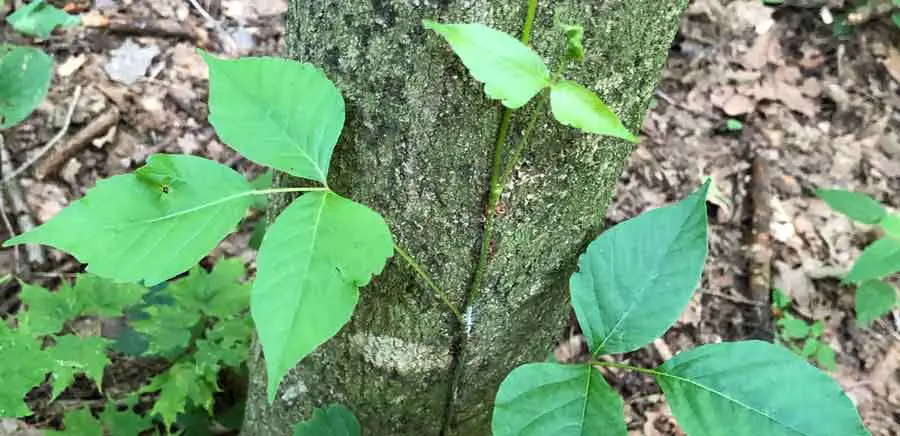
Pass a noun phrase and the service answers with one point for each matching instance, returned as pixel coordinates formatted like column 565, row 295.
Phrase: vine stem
column 431, row 284
column 523, row 142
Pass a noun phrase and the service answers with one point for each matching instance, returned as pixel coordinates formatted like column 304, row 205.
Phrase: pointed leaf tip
column 576, row 106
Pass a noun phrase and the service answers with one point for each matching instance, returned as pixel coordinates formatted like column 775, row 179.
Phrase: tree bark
column 417, row 147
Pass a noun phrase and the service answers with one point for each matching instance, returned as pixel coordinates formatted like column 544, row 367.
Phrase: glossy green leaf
column 880, row 259
column 79, row 422
column 333, row 420
column 77, row 355
column 793, row 328
column 577, row 106
column 24, row 80
column 635, row 279
column 891, row 225
column 539, row 399
column 754, row 388
column 874, row 298
column 39, row 18
column 179, row 387
column 511, row 71
column 23, row 366
column 857, row 206
column 314, row 257
column 152, row 224
column 276, row 112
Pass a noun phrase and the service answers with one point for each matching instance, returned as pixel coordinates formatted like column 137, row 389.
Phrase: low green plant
column 39, row 18
column 881, row 259
column 799, row 335
column 199, row 323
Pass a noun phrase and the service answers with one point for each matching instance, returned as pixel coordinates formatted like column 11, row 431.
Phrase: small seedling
column 800, row 336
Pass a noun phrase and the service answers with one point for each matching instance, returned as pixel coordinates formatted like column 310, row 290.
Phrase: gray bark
column 417, row 148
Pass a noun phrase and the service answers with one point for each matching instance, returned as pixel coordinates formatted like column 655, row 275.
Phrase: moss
column 416, row 147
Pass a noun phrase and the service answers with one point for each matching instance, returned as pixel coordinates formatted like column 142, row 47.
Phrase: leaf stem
column 523, row 142
column 649, row 371
column 431, row 284
column 235, row 197
column 294, row 189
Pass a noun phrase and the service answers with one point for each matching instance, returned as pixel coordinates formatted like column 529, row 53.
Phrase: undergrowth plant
column 198, row 323
column 799, row 335
column 151, row 225
column 875, row 297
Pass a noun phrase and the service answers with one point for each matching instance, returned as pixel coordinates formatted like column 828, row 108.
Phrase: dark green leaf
column 857, row 206
column 574, row 41
column 123, row 422
column 79, row 422
column 314, row 257
column 77, row 355
column 276, row 112
column 179, row 387
column 511, row 71
column 168, row 329
column 538, row 399
column 635, row 279
column 874, row 298
column 24, row 80
column 880, row 259
column 23, row 366
column 577, row 106
column 103, row 297
column 152, row 224
column 39, row 18
column 754, row 388
column 218, row 293
column 333, row 420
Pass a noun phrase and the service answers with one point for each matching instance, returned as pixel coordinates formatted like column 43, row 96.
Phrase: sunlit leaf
column 577, row 106
column 857, row 206
column 77, row 355
column 874, row 299
column 878, row 260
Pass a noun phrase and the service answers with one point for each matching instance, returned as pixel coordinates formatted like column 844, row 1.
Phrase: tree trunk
column 417, row 147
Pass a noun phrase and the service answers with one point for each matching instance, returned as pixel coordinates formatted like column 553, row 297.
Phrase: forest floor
column 809, row 108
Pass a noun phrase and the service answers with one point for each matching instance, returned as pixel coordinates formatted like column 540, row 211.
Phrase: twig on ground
column 33, row 253
column 665, row 97
column 65, row 128
column 228, row 43
column 760, row 254
column 78, row 141
column 158, row 28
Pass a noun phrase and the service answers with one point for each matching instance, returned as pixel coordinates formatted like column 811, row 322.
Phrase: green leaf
column 874, row 298
column 511, row 71
column 180, row 386
column 333, row 420
column 734, row 125
column 636, row 278
column 825, row 357
column 152, row 224
column 895, row 17
column 24, row 80
column 562, row 400
column 810, row 346
column 780, row 300
column 123, row 422
column 39, row 18
column 880, row 259
column 314, row 257
column 577, row 106
column 276, row 112
column 891, row 225
column 263, row 181
column 23, row 366
column 817, row 329
column 47, row 311
column 217, row 293
column 79, row 422
column 857, row 206
column 793, row 328
column 104, row 297
column 77, row 355
column 168, row 329
column 574, row 41
column 754, row 388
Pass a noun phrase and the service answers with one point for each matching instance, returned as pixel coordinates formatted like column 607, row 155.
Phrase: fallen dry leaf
column 892, row 63
column 71, row 65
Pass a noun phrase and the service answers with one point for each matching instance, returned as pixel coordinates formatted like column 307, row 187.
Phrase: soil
column 811, row 107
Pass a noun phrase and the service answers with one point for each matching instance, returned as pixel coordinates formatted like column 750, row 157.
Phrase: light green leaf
column 46, row 312
column 79, row 422
column 39, row 18
column 635, row 279
column 333, row 420
column 857, row 206
column 754, row 388
column 24, row 80
column 891, row 225
column 276, row 112
column 780, row 300
column 23, row 366
column 880, row 259
column 77, row 355
column 874, row 298
column 793, row 328
column 577, row 106
column 314, row 257
column 817, row 328
column 810, row 346
column 825, row 356
column 538, row 399
column 152, row 224
column 179, row 387
column 511, row 71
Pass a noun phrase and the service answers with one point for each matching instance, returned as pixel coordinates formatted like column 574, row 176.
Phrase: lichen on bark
column 417, row 148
